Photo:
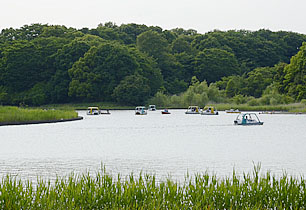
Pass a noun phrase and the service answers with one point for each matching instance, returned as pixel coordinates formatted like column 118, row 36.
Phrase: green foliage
column 15, row 114
column 231, row 88
column 152, row 43
column 132, row 90
column 181, row 31
column 175, row 86
column 155, row 45
column 294, row 107
column 20, row 68
column 240, row 62
column 240, row 99
column 295, row 78
column 58, row 85
column 149, row 70
column 97, row 74
column 3, row 95
column 258, row 80
column 253, row 83
column 132, row 31
column 253, row 49
column 279, row 77
column 187, row 65
column 26, row 32
column 197, row 94
column 253, row 102
column 59, row 31
column 205, row 191
column 36, row 95
column 103, row 105
column 181, row 45
column 275, row 97
column 212, row 64
column 27, row 63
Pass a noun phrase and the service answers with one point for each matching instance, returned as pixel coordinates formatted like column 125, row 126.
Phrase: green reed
column 15, row 114
column 84, row 106
column 202, row 191
column 297, row 107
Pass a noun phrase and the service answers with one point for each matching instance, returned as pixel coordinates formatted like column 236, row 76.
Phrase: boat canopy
column 140, row 107
column 248, row 119
column 93, row 108
column 195, row 108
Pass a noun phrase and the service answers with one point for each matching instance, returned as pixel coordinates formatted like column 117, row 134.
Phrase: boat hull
column 253, row 123
column 93, row 113
column 205, row 113
column 233, row 111
column 165, row 112
column 192, row 113
column 137, row 113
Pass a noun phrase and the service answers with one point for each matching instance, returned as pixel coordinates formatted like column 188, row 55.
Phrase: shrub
column 239, row 99
column 253, row 102
column 160, row 99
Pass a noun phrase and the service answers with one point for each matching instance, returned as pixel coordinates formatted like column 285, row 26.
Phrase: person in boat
column 244, row 120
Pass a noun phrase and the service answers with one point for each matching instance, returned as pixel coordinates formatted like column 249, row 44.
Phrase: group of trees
column 131, row 63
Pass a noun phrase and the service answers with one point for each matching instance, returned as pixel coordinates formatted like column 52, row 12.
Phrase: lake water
column 164, row 145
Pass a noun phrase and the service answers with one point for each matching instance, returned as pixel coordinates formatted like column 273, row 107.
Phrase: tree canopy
column 130, row 63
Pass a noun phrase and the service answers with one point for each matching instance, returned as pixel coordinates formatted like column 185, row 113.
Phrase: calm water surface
column 164, row 145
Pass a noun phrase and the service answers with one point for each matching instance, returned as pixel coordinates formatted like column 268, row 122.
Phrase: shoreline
column 40, row 121
column 259, row 111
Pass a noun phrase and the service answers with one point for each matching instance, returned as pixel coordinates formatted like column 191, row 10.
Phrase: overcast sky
column 201, row 15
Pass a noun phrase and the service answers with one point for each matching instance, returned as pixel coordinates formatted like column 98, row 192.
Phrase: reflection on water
column 164, row 145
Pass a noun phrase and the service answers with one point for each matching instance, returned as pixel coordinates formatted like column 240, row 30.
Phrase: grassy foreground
column 200, row 192
column 15, row 114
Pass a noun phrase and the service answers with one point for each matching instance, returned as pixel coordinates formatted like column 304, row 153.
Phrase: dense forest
column 131, row 64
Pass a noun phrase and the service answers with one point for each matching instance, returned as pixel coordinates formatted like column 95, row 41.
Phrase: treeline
column 131, row 63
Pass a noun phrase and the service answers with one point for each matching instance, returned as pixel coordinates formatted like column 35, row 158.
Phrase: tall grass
column 15, row 114
column 296, row 107
column 250, row 191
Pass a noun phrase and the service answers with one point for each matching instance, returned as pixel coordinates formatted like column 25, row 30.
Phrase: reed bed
column 102, row 191
column 297, row 107
column 15, row 114
column 82, row 106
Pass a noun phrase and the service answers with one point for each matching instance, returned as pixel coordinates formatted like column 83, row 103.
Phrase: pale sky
column 201, row 15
